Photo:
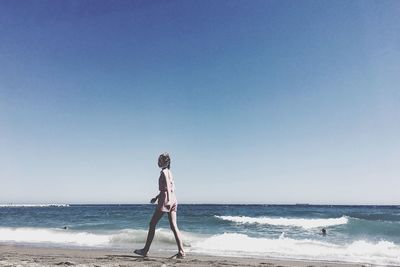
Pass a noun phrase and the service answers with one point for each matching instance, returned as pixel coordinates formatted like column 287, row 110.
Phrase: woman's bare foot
column 180, row 255
column 141, row 252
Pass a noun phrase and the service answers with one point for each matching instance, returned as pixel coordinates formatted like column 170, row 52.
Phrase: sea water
column 366, row 234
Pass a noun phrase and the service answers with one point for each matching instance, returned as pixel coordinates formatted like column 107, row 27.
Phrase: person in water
column 168, row 203
column 323, row 231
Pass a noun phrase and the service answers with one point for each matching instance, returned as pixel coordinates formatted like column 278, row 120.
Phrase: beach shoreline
column 24, row 255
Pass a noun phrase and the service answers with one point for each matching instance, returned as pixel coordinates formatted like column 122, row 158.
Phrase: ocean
column 365, row 234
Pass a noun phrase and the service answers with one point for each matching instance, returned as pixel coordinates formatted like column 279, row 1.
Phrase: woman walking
column 167, row 202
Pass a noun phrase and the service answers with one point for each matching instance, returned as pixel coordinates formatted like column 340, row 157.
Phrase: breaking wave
column 233, row 244
column 298, row 222
column 80, row 238
column 228, row 244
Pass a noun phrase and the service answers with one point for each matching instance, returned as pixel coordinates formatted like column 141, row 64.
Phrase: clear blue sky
column 257, row 101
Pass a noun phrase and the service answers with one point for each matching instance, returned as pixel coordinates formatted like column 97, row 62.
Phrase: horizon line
column 199, row 203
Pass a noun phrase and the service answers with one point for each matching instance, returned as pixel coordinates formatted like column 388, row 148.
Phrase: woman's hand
column 153, row 200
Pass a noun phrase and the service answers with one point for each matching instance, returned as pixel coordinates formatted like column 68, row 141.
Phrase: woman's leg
column 175, row 230
column 152, row 228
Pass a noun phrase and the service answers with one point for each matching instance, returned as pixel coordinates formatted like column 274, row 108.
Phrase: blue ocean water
column 368, row 234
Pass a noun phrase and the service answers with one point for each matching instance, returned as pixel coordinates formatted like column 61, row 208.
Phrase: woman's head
column 164, row 161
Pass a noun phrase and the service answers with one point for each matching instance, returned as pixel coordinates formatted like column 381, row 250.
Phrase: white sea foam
column 70, row 237
column 383, row 252
column 165, row 236
column 32, row 205
column 233, row 244
column 298, row 222
column 58, row 236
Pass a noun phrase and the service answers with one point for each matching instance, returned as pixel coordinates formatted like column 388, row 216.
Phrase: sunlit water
column 368, row 234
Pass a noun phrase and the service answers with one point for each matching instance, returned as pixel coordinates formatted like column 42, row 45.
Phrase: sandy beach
column 11, row 255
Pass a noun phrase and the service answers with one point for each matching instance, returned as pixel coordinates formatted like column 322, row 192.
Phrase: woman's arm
column 153, row 200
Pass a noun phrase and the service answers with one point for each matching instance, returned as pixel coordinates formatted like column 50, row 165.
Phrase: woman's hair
column 165, row 160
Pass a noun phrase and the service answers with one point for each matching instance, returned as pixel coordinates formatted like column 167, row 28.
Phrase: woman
column 166, row 203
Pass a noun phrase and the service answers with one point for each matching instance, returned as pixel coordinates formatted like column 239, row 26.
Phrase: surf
column 295, row 222
column 228, row 244
column 360, row 251
column 119, row 238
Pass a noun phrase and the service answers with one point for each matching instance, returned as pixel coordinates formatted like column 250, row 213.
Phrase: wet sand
column 11, row 255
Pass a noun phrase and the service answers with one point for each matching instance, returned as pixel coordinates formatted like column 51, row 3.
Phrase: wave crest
column 298, row 222
column 59, row 236
column 166, row 236
column 233, row 244
column 98, row 239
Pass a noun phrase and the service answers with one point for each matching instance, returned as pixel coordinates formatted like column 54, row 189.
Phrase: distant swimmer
column 65, row 227
column 323, row 232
